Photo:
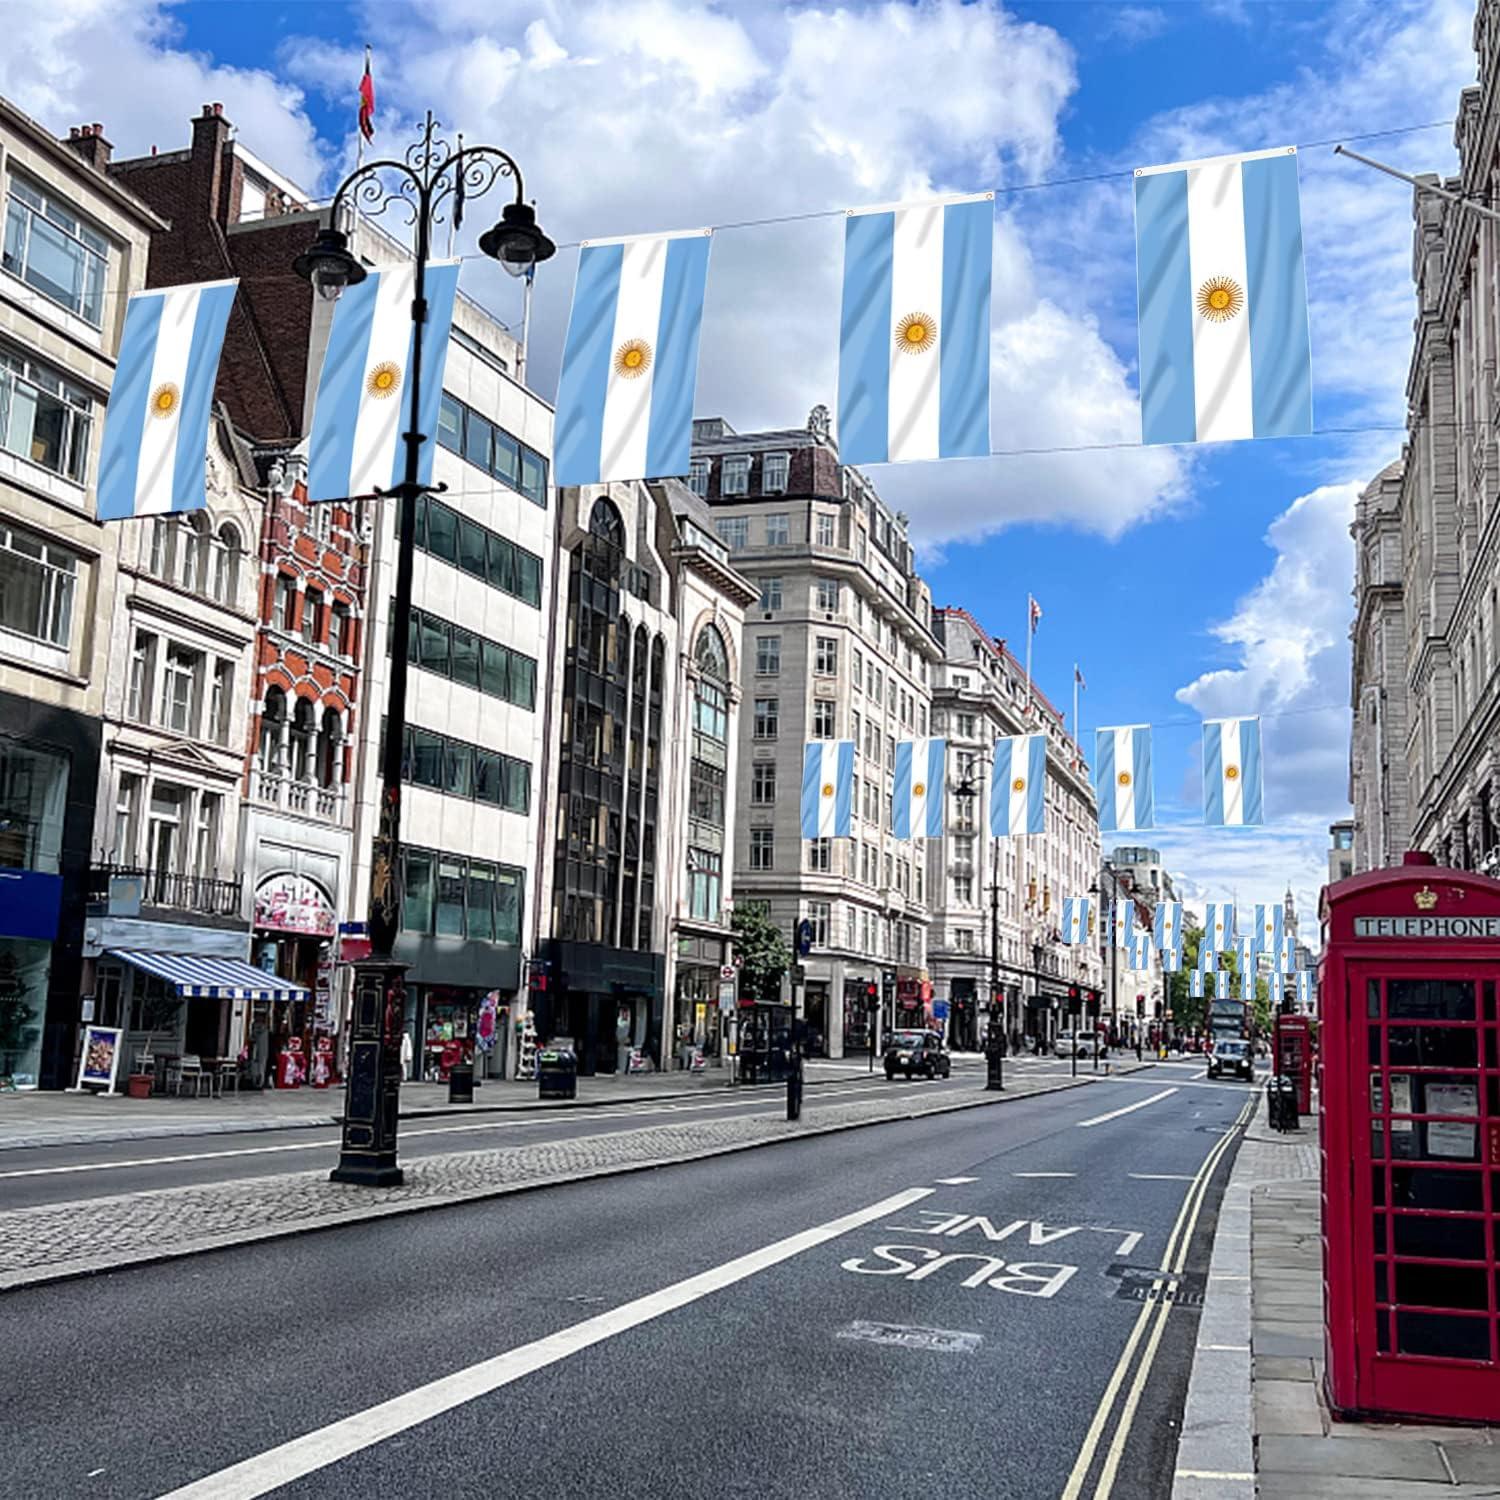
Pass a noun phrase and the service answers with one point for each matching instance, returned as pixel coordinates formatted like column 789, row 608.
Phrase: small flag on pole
column 1018, row 789
column 155, row 442
column 828, row 789
column 1078, row 678
column 917, row 807
column 1035, row 612
column 914, row 335
column 1122, row 778
column 367, row 101
column 1076, row 924
column 1167, row 927
column 630, row 361
column 1231, row 773
column 1268, row 928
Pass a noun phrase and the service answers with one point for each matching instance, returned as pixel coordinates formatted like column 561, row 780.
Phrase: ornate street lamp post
column 967, row 791
column 429, row 176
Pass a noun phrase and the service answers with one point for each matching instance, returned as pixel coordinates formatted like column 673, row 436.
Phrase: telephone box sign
column 1483, row 928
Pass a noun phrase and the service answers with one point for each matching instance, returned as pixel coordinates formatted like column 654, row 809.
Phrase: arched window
column 711, row 697
column 271, row 720
column 302, row 740
column 330, row 748
column 227, row 565
column 605, row 523
column 192, row 553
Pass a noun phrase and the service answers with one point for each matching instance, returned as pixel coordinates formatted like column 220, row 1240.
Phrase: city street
column 959, row 1303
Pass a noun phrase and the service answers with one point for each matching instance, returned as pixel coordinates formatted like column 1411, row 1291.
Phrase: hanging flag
column 1124, row 923
column 630, row 361
column 153, row 453
column 1219, row 926
column 1078, row 678
column 1171, row 960
column 1244, row 985
column 1222, row 300
column 367, row 101
column 1268, row 927
column 914, row 339
column 1195, row 984
column 1244, row 952
column 828, row 789
column 1138, row 949
column 1034, row 613
column 1018, row 790
column 1306, row 988
column 361, row 409
column 1208, row 958
column 1286, row 956
column 917, row 808
column 1077, row 926
column 1231, row 773
column 1167, row 926
column 1122, row 778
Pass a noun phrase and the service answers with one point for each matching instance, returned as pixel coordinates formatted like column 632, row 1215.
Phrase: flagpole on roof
column 1030, row 632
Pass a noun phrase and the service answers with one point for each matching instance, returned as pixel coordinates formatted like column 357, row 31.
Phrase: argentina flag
column 917, row 808
column 1222, row 300
column 1171, row 960
column 1219, row 926
column 1124, row 923
column 1167, row 926
column 828, row 789
column 1138, row 949
column 1018, row 790
column 1285, row 957
column 1122, row 778
column 1231, row 773
column 1244, row 952
column 154, row 449
column 914, row 338
column 630, row 360
column 1195, row 984
column 1076, row 916
column 1268, row 928
column 363, row 403
column 1306, row 988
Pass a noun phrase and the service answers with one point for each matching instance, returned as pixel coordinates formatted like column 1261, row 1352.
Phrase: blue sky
column 1185, row 582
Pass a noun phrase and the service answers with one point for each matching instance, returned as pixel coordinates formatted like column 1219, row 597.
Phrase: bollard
column 794, row 1089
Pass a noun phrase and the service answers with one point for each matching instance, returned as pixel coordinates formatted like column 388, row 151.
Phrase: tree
column 762, row 949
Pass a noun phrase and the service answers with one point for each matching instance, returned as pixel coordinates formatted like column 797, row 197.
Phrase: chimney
column 211, row 132
column 88, row 141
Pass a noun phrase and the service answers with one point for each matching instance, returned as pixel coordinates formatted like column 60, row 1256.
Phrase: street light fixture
column 967, row 790
column 429, row 176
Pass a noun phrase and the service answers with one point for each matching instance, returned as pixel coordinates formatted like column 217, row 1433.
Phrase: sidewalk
column 1256, row 1421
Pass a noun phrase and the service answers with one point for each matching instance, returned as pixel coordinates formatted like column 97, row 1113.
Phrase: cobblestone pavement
column 59, row 1241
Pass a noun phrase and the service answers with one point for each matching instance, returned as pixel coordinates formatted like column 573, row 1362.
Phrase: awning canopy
column 193, row 977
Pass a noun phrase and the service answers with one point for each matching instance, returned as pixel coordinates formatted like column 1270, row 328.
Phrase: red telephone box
column 1410, row 1052
column 1292, row 1046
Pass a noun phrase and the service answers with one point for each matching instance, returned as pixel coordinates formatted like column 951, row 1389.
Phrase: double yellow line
column 1158, row 1305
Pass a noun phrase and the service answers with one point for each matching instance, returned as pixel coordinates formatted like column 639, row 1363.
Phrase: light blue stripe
column 1213, row 776
column 865, row 339
column 937, row 794
column 901, row 800
column 189, row 490
column 1145, row 796
column 843, row 812
column 1276, row 298
column 964, row 387
column 441, row 288
column 669, row 436
column 1036, row 785
column 125, row 418
column 330, row 449
column 1250, row 769
column 578, row 429
column 1000, row 790
column 1164, row 301
column 1104, row 779
column 812, row 782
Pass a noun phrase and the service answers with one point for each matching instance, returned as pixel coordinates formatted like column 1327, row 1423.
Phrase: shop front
column 461, row 996
column 697, row 1019
column 861, row 1001
column 963, row 1015
column 295, row 923
column 606, row 1001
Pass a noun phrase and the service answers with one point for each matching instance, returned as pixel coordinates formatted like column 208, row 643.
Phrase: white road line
column 1115, row 1114
column 1044, row 1174
column 1162, row 1176
column 316, row 1450
column 954, row 1181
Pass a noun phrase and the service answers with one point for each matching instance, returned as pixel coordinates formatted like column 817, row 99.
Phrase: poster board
column 99, row 1058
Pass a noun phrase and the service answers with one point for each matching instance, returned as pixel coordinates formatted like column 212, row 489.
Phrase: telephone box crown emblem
column 1426, row 898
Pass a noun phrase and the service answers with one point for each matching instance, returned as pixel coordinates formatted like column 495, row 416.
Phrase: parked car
column 1081, row 1042
column 1231, row 1054
column 917, row 1052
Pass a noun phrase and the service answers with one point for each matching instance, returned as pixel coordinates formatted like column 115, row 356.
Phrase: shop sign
column 1428, row 927
column 100, row 1058
column 323, row 990
column 484, row 1029
column 726, row 994
column 293, row 903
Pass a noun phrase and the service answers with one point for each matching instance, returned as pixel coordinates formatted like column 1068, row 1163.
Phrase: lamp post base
column 372, row 1098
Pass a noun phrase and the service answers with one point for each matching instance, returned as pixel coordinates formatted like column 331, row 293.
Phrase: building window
column 341, row 632
column 819, row 914
column 458, row 654
column 478, row 551
column 179, row 689
column 762, row 849
column 449, row 895
column 44, row 417
column 705, row 880
column 458, row 769
column 303, row 732
column 734, row 476
column 698, row 476
column 33, row 798
column 763, row 783
column 767, row 718
column 778, row 530
column 823, row 528
column 734, row 532
column 963, row 890
column 770, row 593
column 964, row 937
column 311, row 611
column 206, row 837
column 820, row 855
column 825, row 655
column 767, row 655
column 706, row 793
column 37, row 583
column 51, row 249
column 773, row 472
column 226, row 551
column 272, row 721
column 825, row 718
column 127, row 816
column 221, row 705
column 826, row 595
column 480, row 442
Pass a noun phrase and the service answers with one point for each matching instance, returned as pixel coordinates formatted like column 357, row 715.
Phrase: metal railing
column 203, row 894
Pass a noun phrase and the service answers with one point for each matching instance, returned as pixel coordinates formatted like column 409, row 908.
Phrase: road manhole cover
column 939, row 1340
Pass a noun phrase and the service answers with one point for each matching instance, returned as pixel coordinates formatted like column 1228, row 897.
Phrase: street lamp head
column 516, row 241
column 328, row 264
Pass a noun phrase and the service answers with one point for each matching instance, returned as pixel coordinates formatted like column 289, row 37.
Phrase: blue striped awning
column 194, row 977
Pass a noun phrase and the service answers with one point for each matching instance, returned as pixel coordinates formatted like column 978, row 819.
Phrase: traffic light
column 872, row 995
column 1073, row 999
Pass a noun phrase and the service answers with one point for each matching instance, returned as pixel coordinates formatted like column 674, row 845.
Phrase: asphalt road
column 826, row 1317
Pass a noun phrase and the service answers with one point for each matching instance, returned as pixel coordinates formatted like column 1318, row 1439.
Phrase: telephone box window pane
column 1433, row 1046
column 1377, row 1141
column 1374, row 1045
column 1380, row 1244
column 1432, row 1187
column 1382, row 1281
column 1377, row 1185
column 1432, row 1333
column 1383, row 1332
column 1440, row 1286
column 1489, row 999
column 1449, row 1239
column 1372, row 998
column 1430, row 999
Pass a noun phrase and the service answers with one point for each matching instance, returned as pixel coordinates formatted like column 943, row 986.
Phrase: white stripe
column 917, row 802
column 627, row 401
column 1020, row 770
column 316, row 1450
column 1221, row 351
column 1115, row 1114
column 1229, row 755
column 916, row 287
column 379, row 421
column 157, row 464
column 1216, row 161
column 828, row 776
column 1125, row 795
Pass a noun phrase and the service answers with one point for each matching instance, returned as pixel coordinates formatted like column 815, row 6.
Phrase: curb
column 77, row 1270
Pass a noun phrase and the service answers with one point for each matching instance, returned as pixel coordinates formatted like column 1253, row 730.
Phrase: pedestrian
column 406, row 1056
column 1138, row 1057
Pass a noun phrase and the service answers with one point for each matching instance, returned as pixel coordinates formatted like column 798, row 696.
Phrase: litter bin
column 1281, row 1103
column 461, row 1083
column 557, row 1073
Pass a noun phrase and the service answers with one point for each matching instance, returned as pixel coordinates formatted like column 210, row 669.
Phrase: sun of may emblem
column 1231, row 773
column 1219, row 299
column 1124, row 778
column 633, row 359
column 1019, row 784
column 384, row 380
column 916, row 333
column 165, row 400
column 919, row 789
column 828, row 789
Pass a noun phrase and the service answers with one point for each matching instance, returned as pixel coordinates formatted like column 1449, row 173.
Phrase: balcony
column 168, row 890
column 305, row 797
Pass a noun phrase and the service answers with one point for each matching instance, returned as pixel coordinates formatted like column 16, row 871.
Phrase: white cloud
column 1134, row 24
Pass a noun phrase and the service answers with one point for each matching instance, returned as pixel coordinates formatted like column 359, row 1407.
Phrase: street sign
column 726, row 995
column 939, row 1010
column 804, row 938
column 727, row 971
column 799, row 973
